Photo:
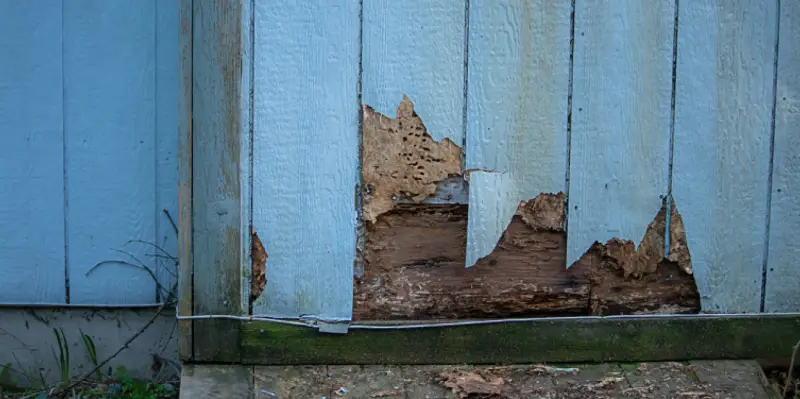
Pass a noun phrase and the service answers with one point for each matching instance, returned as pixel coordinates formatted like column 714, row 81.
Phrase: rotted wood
column 414, row 269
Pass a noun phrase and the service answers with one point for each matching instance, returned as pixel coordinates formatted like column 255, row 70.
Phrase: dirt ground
column 699, row 379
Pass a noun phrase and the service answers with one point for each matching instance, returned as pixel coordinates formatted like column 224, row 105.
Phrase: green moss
column 563, row 341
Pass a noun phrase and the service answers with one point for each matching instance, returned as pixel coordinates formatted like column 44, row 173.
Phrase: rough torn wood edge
column 611, row 339
column 217, row 103
column 394, row 158
column 185, row 180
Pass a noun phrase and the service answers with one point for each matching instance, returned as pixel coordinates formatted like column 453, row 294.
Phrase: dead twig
column 125, row 263
column 164, row 254
column 789, row 378
column 171, row 221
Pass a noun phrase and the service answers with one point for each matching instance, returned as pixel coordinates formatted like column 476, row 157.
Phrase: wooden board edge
column 246, row 151
column 568, row 340
column 185, row 179
column 217, row 187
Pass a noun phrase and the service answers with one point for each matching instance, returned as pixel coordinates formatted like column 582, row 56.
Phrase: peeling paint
column 259, row 268
column 401, row 161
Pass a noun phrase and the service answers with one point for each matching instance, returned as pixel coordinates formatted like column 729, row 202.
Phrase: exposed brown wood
column 414, row 269
column 258, row 277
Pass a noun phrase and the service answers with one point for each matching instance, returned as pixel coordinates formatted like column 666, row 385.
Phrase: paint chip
column 401, row 161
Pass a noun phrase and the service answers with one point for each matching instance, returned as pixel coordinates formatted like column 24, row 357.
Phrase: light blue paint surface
column 305, row 148
column 726, row 54
column 89, row 91
column 31, row 163
column 621, row 112
column 109, row 120
column 416, row 48
column 783, row 270
column 517, row 110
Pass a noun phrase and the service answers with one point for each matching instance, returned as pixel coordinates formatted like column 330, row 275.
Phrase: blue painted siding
column 31, row 154
column 88, row 111
column 305, row 147
column 89, row 105
column 723, row 119
column 619, row 146
column 416, row 48
column 519, row 64
column 783, row 270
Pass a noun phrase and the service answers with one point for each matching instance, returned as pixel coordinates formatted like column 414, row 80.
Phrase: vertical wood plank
column 216, row 206
column 518, row 82
column 109, row 96
column 416, row 48
column 166, row 138
column 185, row 266
column 621, row 113
column 723, row 115
column 31, row 157
column 783, row 272
column 305, row 145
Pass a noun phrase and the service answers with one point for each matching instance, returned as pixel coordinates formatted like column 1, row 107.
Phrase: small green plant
column 91, row 350
column 63, row 355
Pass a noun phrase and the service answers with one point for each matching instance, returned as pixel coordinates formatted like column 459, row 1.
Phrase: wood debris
column 473, row 382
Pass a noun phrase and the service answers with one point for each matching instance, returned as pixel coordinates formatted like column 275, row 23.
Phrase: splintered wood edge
column 574, row 340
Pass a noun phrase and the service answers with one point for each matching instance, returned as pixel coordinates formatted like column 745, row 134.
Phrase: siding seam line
column 669, row 199
column 156, row 187
column 64, row 162
column 569, row 125
column 765, row 260
column 465, row 109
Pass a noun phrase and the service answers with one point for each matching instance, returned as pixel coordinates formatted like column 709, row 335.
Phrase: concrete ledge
column 216, row 381
column 27, row 342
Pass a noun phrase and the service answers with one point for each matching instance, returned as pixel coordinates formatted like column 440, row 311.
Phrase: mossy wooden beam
column 217, row 206
column 620, row 339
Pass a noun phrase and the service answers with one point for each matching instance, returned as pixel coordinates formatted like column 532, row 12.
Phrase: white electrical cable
column 481, row 322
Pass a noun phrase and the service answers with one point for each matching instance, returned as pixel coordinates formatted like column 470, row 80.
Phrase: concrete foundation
column 29, row 348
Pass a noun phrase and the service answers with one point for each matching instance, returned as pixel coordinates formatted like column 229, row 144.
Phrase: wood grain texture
column 724, row 97
column 517, row 109
column 305, row 146
column 216, row 182
column 185, row 232
column 31, row 157
column 416, row 48
column 622, row 85
column 414, row 269
column 167, row 75
column 109, row 122
column 783, row 272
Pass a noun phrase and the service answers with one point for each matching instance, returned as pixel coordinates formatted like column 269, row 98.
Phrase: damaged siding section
column 621, row 116
column 519, row 64
column 414, row 268
column 415, row 48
